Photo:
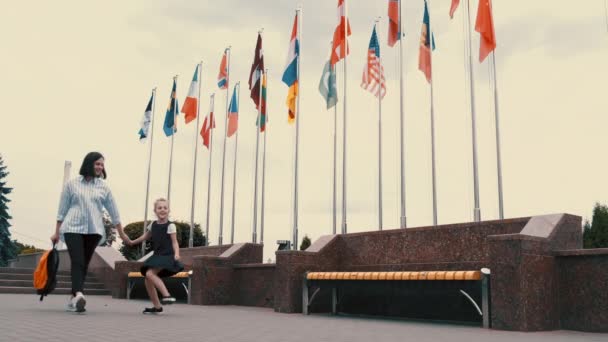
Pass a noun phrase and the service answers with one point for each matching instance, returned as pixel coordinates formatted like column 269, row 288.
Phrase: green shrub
column 135, row 230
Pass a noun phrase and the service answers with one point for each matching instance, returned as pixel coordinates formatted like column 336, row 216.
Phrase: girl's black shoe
column 153, row 311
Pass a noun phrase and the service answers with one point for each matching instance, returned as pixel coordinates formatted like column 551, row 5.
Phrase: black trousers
column 81, row 248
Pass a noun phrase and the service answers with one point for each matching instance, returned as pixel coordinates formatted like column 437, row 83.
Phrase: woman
column 80, row 223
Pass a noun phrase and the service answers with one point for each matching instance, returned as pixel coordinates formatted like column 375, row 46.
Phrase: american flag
column 373, row 72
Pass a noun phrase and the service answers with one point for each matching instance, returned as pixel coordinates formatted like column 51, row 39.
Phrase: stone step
column 60, row 291
column 21, row 270
column 60, row 284
column 30, row 277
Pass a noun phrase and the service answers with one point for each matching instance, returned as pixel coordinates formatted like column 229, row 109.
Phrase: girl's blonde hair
column 160, row 200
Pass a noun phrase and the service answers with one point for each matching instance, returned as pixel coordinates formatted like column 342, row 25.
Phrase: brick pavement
column 24, row 318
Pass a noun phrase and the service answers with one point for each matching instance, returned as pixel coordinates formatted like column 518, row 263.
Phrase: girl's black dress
column 164, row 255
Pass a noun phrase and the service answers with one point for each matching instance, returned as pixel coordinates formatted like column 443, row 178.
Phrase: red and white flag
column 340, row 44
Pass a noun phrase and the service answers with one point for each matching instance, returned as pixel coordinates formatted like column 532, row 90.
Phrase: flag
column 208, row 125
column 145, row 121
column 190, row 107
column 453, row 8
column 257, row 68
column 424, row 55
column 485, row 26
column 233, row 114
column 327, row 85
column 222, row 77
column 394, row 26
column 170, row 126
column 340, row 45
column 263, row 113
column 292, row 95
column 373, row 72
column 290, row 75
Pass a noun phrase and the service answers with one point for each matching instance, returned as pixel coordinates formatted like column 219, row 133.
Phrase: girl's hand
column 176, row 256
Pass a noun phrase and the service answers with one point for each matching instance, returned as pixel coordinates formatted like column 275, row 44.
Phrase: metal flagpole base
column 344, row 228
column 403, row 222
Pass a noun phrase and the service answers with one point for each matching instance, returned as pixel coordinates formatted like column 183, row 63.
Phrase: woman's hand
column 176, row 256
column 55, row 238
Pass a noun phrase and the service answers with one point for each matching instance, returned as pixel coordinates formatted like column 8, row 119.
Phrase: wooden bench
column 185, row 278
column 334, row 280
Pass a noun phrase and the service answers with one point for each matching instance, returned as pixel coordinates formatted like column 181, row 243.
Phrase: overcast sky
column 77, row 75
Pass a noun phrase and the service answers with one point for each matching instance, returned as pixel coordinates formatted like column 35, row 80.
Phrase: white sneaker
column 79, row 302
column 69, row 306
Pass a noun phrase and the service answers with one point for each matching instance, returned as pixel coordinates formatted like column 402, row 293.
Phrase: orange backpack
column 45, row 275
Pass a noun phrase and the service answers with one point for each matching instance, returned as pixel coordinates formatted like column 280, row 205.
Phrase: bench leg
column 129, row 287
column 485, row 300
column 305, row 297
column 189, row 288
column 187, row 292
column 334, row 299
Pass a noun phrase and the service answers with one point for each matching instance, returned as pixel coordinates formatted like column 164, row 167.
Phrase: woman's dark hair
column 87, row 169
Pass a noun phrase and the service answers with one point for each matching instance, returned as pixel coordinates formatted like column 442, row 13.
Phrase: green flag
column 327, row 85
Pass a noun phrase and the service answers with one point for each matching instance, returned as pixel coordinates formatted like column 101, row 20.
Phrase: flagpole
column 606, row 9
column 476, row 210
column 67, row 167
column 298, row 113
column 198, row 109
column 498, row 154
column 264, row 164
column 236, row 146
column 220, row 236
column 210, row 125
column 497, row 121
column 344, row 226
column 172, row 139
column 143, row 245
column 403, row 220
column 335, row 149
column 257, row 144
column 379, row 65
column 431, row 40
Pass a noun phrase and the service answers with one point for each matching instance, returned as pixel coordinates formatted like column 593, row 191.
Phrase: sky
column 76, row 77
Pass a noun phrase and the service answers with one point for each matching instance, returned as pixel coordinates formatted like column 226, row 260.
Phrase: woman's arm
column 55, row 236
column 110, row 204
column 121, row 233
column 64, row 205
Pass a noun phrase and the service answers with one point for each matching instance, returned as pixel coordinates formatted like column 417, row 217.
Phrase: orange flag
column 453, row 8
column 485, row 26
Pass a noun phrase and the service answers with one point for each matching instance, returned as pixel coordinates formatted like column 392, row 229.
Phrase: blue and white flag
column 145, row 121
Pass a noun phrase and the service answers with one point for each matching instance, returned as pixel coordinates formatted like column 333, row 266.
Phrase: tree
column 595, row 234
column 305, row 243
column 21, row 248
column 109, row 228
column 7, row 247
column 135, row 229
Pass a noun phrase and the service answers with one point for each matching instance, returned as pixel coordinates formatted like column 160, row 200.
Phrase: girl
column 80, row 223
column 165, row 260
